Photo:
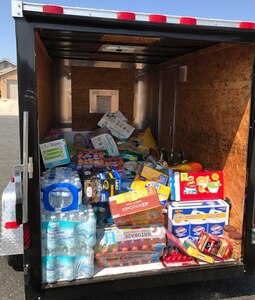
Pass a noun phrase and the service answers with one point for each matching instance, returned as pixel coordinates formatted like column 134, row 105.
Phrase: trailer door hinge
column 253, row 236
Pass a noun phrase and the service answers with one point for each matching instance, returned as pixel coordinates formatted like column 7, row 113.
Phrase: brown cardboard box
column 136, row 207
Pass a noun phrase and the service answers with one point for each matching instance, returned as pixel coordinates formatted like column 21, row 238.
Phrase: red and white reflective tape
column 18, row 7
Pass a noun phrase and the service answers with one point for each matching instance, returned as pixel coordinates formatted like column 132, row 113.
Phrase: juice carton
column 204, row 185
column 136, row 207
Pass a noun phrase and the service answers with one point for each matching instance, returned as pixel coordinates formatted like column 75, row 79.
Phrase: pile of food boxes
column 146, row 209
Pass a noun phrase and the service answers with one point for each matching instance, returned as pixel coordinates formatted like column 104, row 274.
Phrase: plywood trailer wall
column 212, row 115
column 44, row 88
column 86, row 78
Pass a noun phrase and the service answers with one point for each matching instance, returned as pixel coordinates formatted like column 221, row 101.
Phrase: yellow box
column 197, row 254
column 162, row 190
column 154, row 175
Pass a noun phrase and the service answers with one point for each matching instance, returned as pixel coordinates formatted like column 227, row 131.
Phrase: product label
column 54, row 153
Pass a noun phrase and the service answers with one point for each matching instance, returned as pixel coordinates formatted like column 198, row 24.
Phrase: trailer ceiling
column 117, row 48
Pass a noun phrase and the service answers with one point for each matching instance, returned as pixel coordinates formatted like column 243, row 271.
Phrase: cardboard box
column 154, row 175
column 117, row 124
column 54, row 153
column 136, row 207
column 163, row 191
column 100, row 188
column 129, row 245
column 204, row 185
column 189, row 219
column 102, row 140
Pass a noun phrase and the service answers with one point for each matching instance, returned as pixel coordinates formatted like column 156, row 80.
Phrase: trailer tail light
column 53, row 9
column 188, row 21
column 126, row 16
column 11, row 225
column 247, row 25
column 157, row 18
column 26, row 236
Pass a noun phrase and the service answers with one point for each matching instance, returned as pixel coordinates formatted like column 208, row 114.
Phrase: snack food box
column 120, row 246
column 102, row 186
column 155, row 175
column 189, row 219
column 136, row 207
column 163, row 191
column 204, row 185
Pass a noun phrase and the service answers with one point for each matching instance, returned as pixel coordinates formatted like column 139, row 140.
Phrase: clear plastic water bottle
column 86, row 228
column 66, row 194
column 66, row 265
column 78, row 185
column 50, row 263
column 53, row 233
column 67, row 233
column 84, row 262
column 44, row 227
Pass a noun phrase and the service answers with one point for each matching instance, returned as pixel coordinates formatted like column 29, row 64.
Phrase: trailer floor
column 11, row 286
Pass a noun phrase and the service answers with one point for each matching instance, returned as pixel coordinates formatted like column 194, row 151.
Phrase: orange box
column 136, row 207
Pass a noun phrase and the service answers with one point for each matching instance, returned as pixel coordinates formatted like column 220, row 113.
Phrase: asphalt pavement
column 11, row 282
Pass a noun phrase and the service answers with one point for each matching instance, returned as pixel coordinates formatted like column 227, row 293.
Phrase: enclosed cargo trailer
column 191, row 80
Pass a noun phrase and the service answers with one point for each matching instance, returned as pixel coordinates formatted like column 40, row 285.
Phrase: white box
column 188, row 219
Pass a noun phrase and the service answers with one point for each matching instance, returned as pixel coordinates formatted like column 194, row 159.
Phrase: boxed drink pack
column 129, row 245
column 189, row 219
column 136, row 207
column 141, row 182
column 204, row 185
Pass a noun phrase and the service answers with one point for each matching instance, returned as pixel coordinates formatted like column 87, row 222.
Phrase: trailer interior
column 195, row 94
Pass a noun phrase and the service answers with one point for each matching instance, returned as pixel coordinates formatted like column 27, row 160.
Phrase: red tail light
column 11, row 225
column 26, row 236
column 126, row 16
column 188, row 21
column 53, row 9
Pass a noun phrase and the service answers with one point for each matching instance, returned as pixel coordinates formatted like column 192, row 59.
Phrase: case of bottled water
column 68, row 232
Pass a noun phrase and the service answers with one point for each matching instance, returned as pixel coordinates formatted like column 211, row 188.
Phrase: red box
column 206, row 185
column 136, row 207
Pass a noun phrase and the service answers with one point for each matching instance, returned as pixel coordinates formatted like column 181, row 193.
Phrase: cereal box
column 154, row 175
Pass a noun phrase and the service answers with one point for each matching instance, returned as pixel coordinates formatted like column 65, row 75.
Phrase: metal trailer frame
column 25, row 33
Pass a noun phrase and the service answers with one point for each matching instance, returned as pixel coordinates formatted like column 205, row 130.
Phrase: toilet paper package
column 188, row 219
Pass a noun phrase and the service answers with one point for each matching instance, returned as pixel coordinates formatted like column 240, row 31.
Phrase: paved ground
column 11, row 286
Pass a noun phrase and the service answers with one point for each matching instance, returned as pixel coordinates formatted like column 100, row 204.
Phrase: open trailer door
column 34, row 72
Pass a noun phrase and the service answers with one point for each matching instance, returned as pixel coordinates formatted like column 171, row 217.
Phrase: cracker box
column 189, row 219
column 155, row 175
column 141, row 182
column 204, row 185
column 136, row 207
